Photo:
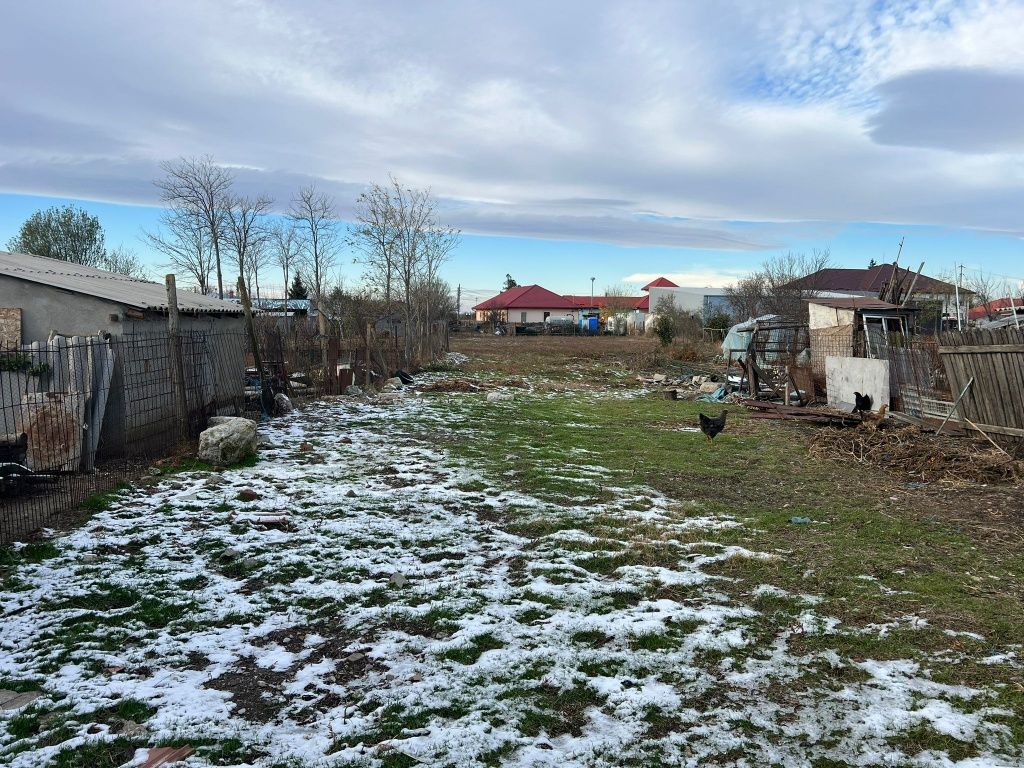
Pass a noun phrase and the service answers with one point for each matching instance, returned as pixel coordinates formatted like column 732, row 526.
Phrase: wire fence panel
column 79, row 415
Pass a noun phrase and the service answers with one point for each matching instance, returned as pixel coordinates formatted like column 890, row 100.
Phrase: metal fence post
column 177, row 359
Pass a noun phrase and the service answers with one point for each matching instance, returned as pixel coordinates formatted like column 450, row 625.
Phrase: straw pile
column 920, row 455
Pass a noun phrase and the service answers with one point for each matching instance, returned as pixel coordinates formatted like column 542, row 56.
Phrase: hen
column 711, row 426
column 862, row 404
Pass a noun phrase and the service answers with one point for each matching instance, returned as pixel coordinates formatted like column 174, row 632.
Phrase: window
column 546, row 316
column 523, row 316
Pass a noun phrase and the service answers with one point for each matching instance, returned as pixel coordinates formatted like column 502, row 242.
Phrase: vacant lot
column 570, row 577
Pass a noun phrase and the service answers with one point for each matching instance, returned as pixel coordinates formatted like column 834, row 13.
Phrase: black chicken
column 862, row 404
column 711, row 426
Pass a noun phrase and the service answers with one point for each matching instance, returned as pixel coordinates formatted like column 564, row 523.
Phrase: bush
column 719, row 321
column 665, row 329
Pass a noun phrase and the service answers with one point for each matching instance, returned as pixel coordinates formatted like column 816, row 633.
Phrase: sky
column 569, row 140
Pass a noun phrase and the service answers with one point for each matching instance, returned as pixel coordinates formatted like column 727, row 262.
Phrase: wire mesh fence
column 79, row 415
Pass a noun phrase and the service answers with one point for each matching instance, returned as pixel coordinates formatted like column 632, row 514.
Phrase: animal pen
column 79, row 415
column 780, row 359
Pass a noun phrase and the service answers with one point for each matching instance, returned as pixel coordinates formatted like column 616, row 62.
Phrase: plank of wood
column 974, row 349
column 998, row 429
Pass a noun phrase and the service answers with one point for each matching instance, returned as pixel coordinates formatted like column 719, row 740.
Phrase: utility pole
column 458, row 302
column 959, row 279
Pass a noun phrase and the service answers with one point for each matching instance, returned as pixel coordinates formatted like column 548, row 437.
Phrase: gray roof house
column 99, row 347
column 40, row 295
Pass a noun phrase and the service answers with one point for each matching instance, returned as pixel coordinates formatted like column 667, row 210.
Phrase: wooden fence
column 991, row 362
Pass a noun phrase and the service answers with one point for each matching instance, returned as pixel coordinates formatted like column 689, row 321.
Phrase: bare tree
column 373, row 237
column 781, row 287
column 616, row 307
column 184, row 240
column 284, row 250
column 987, row 290
column 246, row 235
column 199, row 187
column 124, row 261
column 313, row 215
column 403, row 245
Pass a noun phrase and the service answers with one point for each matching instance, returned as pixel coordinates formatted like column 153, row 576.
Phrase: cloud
column 964, row 110
column 725, row 127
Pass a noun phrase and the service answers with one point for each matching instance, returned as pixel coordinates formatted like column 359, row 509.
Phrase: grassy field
column 570, row 577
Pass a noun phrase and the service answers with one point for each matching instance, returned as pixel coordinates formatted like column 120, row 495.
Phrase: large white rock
column 496, row 397
column 229, row 440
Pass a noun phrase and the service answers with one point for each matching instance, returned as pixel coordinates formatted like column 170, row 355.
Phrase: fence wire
column 80, row 415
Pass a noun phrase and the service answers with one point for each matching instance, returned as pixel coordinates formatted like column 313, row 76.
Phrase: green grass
column 100, row 502
column 759, row 473
column 470, row 654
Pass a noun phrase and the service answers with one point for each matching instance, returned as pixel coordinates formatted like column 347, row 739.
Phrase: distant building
column 525, row 304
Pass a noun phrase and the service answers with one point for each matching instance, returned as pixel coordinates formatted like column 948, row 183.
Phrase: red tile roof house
column 525, row 304
column 535, row 304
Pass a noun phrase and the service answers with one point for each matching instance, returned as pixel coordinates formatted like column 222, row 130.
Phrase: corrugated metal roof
column 852, row 302
column 129, row 291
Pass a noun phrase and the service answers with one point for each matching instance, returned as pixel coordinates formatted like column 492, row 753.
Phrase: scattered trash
column 282, row 404
column 800, row 520
column 16, row 700
column 158, row 756
column 404, row 378
column 719, row 395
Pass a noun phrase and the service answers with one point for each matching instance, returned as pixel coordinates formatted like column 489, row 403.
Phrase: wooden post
column 266, row 397
column 177, row 357
column 369, row 354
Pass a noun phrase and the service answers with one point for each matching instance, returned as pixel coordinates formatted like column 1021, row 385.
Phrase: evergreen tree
column 509, row 283
column 298, row 290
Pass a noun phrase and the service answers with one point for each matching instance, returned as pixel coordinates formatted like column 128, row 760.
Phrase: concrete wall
column 686, row 299
column 46, row 309
column 846, row 375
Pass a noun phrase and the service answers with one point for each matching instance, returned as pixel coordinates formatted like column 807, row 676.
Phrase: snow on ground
column 395, row 620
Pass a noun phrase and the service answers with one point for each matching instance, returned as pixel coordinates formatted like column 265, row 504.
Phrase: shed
column 57, row 297
column 44, row 299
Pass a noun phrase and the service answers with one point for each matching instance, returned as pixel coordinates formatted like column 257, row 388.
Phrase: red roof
column 993, row 307
column 526, row 297
column 661, row 282
column 585, row 300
